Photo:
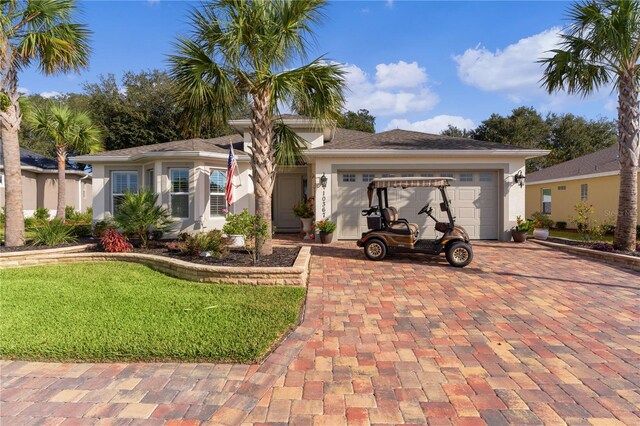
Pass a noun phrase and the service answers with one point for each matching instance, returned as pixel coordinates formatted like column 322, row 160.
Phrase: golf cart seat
column 395, row 224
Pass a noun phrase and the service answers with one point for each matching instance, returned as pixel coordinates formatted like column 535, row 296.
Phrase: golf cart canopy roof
column 407, row 182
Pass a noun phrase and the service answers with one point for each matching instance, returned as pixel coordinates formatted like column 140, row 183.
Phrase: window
column 466, row 177
column 446, row 175
column 122, row 182
column 179, row 192
column 217, row 199
column 546, row 201
column 151, row 184
column 562, row 188
column 349, row 177
column 387, row 175
column 407, row 175
column 368, row 177
column 426, row 175
column 486, row 177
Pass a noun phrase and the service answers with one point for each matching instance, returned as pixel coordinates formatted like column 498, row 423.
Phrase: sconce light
column 519, row 178
column 323, row 181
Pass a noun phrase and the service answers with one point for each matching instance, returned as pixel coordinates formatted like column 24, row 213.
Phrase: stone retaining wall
column 295, row 275
column 623, row 260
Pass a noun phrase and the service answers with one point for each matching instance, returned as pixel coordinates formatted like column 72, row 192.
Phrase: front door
column 287, row 193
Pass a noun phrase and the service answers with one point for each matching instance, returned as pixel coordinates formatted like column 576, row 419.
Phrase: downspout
column 80, row 192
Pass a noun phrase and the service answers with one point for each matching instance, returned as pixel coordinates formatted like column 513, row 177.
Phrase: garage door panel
column 474, row 204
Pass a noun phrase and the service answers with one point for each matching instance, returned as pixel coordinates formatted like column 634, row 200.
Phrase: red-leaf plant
column 114, row 242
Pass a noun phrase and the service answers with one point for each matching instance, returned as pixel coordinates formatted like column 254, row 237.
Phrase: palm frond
column 288, row 146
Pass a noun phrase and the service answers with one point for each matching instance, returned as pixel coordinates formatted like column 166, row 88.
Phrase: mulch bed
column 589, row 244
column 28, row 246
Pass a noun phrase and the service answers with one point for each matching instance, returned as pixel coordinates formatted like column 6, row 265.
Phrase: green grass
column 119, row 311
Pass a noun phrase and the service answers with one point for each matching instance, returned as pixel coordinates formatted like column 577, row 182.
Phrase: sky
column 416, row 65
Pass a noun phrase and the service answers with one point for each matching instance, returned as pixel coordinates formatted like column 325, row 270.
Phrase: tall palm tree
column 600, row 47
column 70, row 131
column 251, row 50
column 31, row 31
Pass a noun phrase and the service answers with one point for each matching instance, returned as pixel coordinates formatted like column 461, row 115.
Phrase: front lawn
column 119, row 311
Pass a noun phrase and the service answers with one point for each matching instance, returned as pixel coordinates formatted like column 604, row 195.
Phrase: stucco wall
column 602, row 194
column 29, row 192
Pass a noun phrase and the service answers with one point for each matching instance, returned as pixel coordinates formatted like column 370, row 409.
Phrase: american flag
column 232, row 165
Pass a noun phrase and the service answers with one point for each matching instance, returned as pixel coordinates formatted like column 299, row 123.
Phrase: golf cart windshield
column 406, row 182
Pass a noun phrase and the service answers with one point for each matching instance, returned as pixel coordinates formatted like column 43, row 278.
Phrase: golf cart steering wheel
column 425, row 209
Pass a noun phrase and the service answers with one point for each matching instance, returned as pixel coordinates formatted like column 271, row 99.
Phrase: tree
column 249, row 50
column 601, row 46
column 70, row 132
column 457, row 132
column 571, row 137
column 361, row 120
column 31, row 31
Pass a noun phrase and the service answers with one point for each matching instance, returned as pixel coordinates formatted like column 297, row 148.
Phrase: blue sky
column 414, row 64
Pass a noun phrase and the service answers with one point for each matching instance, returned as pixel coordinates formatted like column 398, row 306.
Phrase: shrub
column 303, row 209
column 81, row 230
column 236, row 224
column 3, row 216
column 542, row 220
column 69, row 212
column 582, row 219
column 561, row 225
column 41, row 214
column 138, row 215
column 212, row 242
column 255, row 235
column 53, row 233
column 602, row 247
column 29, row 222
column 114, row 242
column 101, row 227
column 523, row 225
column 72, row 215
column 326, row 226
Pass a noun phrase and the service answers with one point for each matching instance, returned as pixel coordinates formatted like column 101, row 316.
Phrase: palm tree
column 31, row 31
column 70, row 131
column 250, row 50
column 600, row 47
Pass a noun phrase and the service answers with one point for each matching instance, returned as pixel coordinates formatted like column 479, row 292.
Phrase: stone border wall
column 295, row 275
column 617, row 259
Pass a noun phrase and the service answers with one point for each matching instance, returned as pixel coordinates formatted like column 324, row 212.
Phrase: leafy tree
column 31, row 31
column 571, row 137
column 69, row 132
column 242, row 50
column 361, row 120
column 457, row 132
column 600, row 47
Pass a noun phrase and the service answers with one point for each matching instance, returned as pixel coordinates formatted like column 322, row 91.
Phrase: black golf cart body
column 387, row 232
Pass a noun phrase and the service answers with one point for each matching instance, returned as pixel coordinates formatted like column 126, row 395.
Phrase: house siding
column 602, row 195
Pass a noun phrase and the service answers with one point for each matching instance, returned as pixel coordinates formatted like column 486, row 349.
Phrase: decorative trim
column 527, row 153
column 589, row 176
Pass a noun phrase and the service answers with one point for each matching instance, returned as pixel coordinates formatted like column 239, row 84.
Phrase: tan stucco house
column 190, row 177
column 593, row 178
column 40, row 184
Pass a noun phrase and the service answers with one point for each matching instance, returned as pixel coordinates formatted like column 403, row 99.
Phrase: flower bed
column 578, row 248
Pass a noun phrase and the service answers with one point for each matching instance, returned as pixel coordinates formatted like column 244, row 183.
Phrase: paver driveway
column 524, row 335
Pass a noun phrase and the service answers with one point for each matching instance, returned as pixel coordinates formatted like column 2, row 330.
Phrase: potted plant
column 520, row 231
column 304, row 211
column 541, row 225
column 235, row 228
column 326, row 229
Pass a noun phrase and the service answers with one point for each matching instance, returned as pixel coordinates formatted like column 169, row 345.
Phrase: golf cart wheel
column 459, row 254
column 375, row 249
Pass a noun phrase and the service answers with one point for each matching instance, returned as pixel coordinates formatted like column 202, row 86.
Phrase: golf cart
column 388, row 233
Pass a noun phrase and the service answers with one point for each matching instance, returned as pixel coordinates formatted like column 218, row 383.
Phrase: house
column 40, row 184
column 594, row 178
column 190, row 178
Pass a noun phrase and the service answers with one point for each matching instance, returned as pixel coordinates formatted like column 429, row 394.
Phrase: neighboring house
column 40, row 184
column 190, row 178
column 593, row 178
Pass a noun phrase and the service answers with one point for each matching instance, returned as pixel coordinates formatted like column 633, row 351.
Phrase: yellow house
column 593, row 178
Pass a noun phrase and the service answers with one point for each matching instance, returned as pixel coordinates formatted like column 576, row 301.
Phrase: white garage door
column 473, row 196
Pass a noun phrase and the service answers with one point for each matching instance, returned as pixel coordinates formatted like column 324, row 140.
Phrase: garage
column 474, row 198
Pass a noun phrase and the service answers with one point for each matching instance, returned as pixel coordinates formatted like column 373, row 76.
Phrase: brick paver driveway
column 524, row 335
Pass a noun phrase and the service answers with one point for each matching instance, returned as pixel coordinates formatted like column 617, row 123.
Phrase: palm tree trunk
column 629, row 149
column 61, row 155
column 9, row 127
column 263, row 162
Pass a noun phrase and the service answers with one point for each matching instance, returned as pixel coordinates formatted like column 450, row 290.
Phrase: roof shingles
column 219, row 145
column 605, row 160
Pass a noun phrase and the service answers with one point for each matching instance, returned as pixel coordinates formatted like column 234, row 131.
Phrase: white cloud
column 397, row 88
column 24, row 91
column 432, row 125
column 51, row 94
column 514, row 70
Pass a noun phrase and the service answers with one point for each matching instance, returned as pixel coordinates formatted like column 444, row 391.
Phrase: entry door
column 287, row 193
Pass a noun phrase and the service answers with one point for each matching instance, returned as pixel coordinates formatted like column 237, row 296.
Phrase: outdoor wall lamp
column 519, row 178
column 323, row 181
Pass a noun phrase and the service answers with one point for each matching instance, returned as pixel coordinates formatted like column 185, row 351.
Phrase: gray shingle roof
column 29, row 158
column 605, row 160
column 219, row 145
column 408, row 140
